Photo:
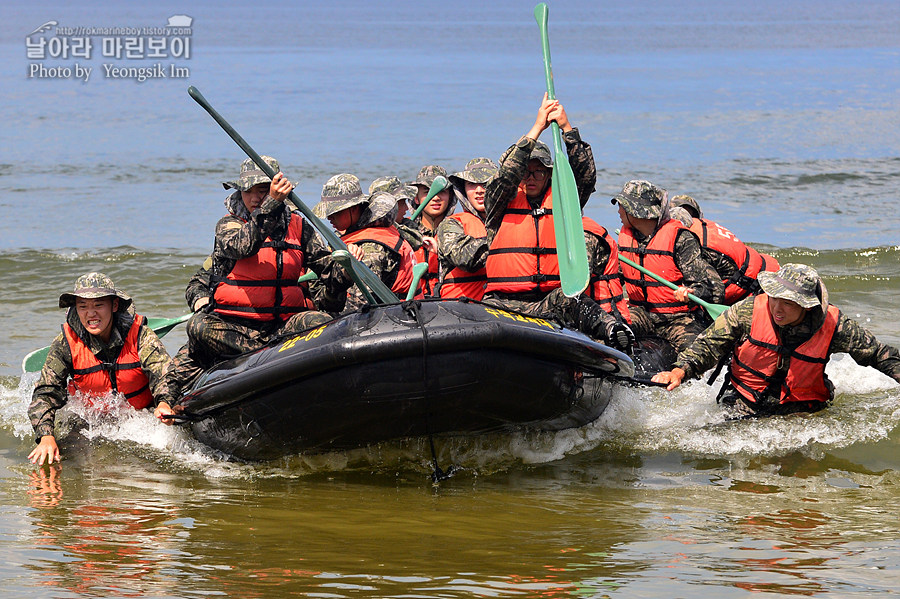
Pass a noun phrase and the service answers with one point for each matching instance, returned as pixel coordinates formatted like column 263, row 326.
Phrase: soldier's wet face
column 96, row 314
column 475, row 194
column 254, row 196
column 786, row 313
column 536, row 180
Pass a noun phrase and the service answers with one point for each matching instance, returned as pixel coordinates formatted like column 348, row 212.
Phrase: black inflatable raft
column 399, row 371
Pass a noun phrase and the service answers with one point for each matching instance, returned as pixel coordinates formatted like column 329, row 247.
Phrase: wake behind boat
column 412, row 369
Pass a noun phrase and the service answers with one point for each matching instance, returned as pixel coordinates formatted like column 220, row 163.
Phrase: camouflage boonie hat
column 339, row 193
column 798, row 283
column 251, row 174
column 393, row 186
column 426, row 177
column 94, row 285
column 688, row 203
column 380, row 204
column 428, row 174
column 641, row 199
column 478, row 170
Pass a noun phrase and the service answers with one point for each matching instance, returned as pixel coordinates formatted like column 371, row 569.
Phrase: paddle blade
column 437, row 186
column 418, row 270
column 571, row 251
column 34, row 361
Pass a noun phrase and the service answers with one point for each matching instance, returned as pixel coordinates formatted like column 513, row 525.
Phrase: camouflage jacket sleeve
column 199, row 285
column 51, row 392
column 864, row 348
column 698, row 274
column 237, row 239
column 456, row 249
column 381, row 262
column 154, row 362
column 411, row 233
column 501, row 190
column 331, row 288
column 598, row 253
column 718, row 340
column 722, row 264
column 581, row 159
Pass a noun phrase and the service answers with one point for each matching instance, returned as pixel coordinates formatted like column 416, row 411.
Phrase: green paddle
column 34, row 361
column 349, row 263
column 712, row 309
column 379, row 289
column 418, row 270
column 437, row 186
column 571, row 252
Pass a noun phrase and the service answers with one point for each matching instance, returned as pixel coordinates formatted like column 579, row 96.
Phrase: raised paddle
column 437, row 186
column 712, row 309
column 371, row 280
column 571, row 252
column 34, row 361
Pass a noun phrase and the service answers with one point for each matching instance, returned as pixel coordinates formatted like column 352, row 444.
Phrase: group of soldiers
column 501, row 250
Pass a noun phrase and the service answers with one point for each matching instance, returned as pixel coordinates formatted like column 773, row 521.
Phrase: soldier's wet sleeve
column 581, row 159
column 199, row 286
column 698, row 274
column 501, row 190
column 155, row 363
column 458, row 250
column 51, row 391
column 852, row 338
column 331, row 288
column 722, row 264
column 236, row 239
column 717, row 341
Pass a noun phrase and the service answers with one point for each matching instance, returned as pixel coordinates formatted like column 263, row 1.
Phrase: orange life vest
column 463, row 283
column 264, row 286
column 93, row 377
column 389, row 237
column 523, row 253
column 606, row 288
column 756, row 360
column 657, row 257
column 749, row 262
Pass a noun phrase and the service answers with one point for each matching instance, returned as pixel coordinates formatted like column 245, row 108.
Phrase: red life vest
column 463, row 283
column 657, row 257
column 523, row 253
column 92, row 377
column 749, row 262
column 756, row 360
column 606, row 288
column 431, row 276
column 264, row 286
column 389, row 237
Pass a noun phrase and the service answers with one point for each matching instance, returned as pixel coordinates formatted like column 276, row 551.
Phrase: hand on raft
column 671, row 378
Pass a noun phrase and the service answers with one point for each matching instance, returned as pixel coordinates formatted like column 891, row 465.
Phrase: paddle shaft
column 713, row 309
column 437, row 186
column 571, row 251
column 370, row 279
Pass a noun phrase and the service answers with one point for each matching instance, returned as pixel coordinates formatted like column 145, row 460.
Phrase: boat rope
column 437, row 475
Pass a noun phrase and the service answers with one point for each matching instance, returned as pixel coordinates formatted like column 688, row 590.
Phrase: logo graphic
column 179, row 21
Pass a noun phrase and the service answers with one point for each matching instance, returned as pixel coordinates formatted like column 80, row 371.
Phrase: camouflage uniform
column 644, row 200
column 213, row 337
column 580, row 312
column 733, row 326
column 456, row 249
column 424, row 179
column 380, row 211
column 51, row 391
column 408, row 229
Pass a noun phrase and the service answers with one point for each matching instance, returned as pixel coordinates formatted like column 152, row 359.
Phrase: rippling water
column 780, row 118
